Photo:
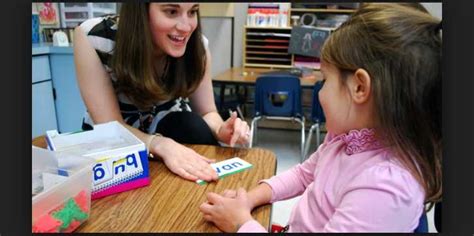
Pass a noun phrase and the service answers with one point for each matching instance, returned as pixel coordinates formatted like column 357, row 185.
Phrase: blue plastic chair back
column 423, row 225
column 317, row 114
column 278, row 95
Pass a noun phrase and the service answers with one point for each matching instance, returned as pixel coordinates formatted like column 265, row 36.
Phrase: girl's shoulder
column 387, row 174
column 370, row 162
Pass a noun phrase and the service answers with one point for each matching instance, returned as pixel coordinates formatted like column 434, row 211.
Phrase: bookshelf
column 331, row 11
column 267, row 47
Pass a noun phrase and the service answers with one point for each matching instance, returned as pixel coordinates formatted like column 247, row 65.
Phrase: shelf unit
column 74, row 13
column 322, row 10
column 267, row 47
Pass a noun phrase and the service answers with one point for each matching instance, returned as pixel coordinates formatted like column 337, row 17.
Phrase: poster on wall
column 48, row 13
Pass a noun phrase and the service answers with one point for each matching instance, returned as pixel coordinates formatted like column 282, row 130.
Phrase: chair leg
column 222, row 93
column 253, row 131
column 318, row 135
column 302, row 138
column 239, row 112
column 308, row 141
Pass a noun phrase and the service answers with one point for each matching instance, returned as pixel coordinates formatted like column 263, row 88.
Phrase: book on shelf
column 269, row 34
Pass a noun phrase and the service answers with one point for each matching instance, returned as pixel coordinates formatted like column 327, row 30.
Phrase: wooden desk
column 248, row 76
column 171, row 204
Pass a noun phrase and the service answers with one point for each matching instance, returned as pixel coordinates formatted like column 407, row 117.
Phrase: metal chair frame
column 299, row 117
column 317, row 116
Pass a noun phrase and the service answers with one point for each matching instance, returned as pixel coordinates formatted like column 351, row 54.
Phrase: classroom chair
column 422, row 225
column 278, row 97
column 228, row 102
column 317, row 117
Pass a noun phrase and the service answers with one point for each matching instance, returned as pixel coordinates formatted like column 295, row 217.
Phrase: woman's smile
column 178, row 40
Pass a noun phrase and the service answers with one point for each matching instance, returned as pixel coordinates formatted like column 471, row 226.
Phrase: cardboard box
column 61, row 193
column 121, row 158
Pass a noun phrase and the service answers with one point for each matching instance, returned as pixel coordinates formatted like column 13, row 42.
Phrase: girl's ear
column 360, row 86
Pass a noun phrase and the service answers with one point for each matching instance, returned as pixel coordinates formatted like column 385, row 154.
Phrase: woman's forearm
column 214, row 121
column 145, row 138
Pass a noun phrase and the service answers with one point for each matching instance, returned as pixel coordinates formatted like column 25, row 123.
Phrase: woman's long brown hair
column 139, row 75
column 400, row 48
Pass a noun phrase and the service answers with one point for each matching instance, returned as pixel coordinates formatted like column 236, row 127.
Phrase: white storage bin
column 121, row 160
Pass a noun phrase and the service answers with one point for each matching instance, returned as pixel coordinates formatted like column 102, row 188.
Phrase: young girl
column 381, row 159
column 140, row 68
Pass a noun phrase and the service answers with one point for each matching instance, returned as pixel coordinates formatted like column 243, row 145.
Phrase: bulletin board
column 307, row 40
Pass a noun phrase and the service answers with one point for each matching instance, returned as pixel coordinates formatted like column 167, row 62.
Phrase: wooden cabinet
column 267, row 47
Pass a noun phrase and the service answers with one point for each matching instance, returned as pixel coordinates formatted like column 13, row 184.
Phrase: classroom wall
column 217, row 27
column 240, row 15
column 218, row 31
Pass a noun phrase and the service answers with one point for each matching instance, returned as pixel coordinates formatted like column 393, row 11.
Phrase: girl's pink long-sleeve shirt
column 350, row 184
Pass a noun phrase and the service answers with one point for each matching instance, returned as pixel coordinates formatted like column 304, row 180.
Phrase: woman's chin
column 176, row 53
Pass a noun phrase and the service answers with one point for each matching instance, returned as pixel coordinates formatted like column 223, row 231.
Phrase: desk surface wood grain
column 170, row 203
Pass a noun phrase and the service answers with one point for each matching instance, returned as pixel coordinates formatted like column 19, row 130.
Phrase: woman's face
column 172, row 24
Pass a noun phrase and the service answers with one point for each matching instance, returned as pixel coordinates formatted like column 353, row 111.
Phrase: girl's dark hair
column 139, row 75
column 400, row 47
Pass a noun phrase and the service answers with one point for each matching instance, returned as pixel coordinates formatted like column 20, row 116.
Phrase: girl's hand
column 234, row 131
column 227, row 213
column 182, row 160
column 229, row 193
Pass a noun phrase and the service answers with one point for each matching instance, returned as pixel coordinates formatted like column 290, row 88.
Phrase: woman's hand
column 234, row 131
column 182, row 160
column 229, row 211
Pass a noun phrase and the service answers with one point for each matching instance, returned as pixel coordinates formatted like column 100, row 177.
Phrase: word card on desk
column 228, row 167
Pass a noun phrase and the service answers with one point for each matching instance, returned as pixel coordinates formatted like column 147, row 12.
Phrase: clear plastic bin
column 61, row 194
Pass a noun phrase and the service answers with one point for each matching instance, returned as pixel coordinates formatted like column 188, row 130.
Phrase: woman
column 139, row 68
